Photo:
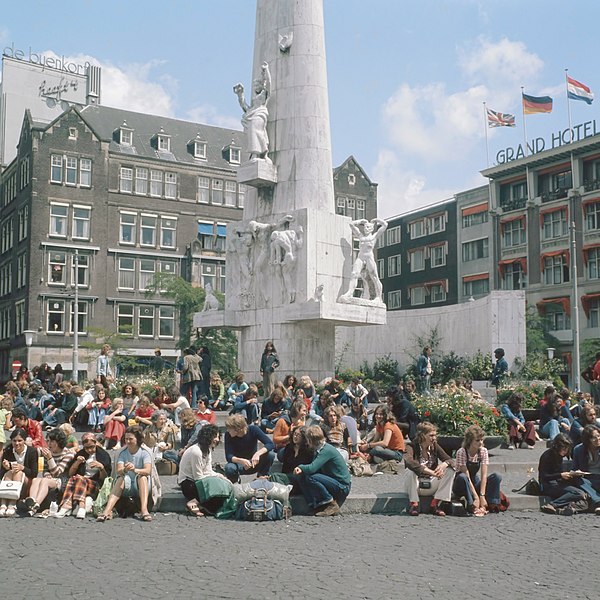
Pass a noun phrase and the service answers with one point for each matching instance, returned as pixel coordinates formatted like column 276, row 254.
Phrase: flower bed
column 532, row 393
column 452, row 409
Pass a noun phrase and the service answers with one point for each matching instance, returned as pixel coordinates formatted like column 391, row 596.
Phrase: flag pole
column 524, row 122
column 568, row 105
column 485, row 126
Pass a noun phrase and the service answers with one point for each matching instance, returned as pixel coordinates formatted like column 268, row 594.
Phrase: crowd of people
column 300, row 434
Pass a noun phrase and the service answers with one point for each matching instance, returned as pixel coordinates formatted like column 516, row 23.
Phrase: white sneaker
column 118, row 446
column 62, row 513
column 80, row 514
column 3, row 510
column 512, row 447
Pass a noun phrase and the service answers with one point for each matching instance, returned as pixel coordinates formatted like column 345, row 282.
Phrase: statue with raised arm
column 367, row 238
column 285, row 243
column 256, row 115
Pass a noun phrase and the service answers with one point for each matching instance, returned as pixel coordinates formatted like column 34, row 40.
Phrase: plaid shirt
column 482, row 457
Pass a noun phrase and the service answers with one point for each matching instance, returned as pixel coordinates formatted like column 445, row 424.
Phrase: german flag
column 536, row 104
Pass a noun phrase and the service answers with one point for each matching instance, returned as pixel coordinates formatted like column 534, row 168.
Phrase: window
column 7, row 235
column 24, row 173
column 167, row 266
column 21, row 270
column 81, row 318
column 417, row 296
column 147, row 268
column 126, row 273
column 56, row 316
column 437, row 223
column 417, row 260
column 394, row 263
column 57, row 265
column 340, row 208
column 166, row 321
column 360, row 211
column 513, row 195
column 479, row 287
column 20, row 317
column 206, row 235
column 168, row 226
column 72, row 133
column 554, row 224
column 156, row 178
column 475, row 219
column 71, row 170
column 146, row 321
column 58, row 219
column 23, row 223
column 141, row 181
column 475, row 249
column 594, row 313
column 235, row 156
column 221, row 241
column 125, row 319
column 553, row 186
column 381, row 267
column 241, row 195
column 513, row 232
column 217, row 191
column 199, row 149
column 85, row 172
column 350, row 204
column 514, row 276
column 393, row 236
column 81, row 264
column 126, row 180
column 230, row 193
column 351, row 179
column 6, row 279
column 593, row 263
column 203, row 189
column 394, row 299
column 437, row 292
column 592, row 216
column 556, row 318
column 417, row 229
column 125, row 137
column 148, row 230
column 438, row 255
column 81, row 222
column 170, row 185
column 127, row 228
column 5, row 320
column 164, row 143
column 556, row 270
column 56, row 168
column 209, row 272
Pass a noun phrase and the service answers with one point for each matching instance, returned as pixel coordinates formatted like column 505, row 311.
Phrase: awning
column 521, row 218
column 586, row 299
column 564, row 301
column 476, row 208
column 564, row 253
column 509, row 261
column 590, row 201
column 442, row 282
column 477, row 277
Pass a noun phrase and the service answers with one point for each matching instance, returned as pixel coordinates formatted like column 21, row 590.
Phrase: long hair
column 206, row 436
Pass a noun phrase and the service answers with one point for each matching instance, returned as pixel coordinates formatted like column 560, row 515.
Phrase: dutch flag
column 578, row 91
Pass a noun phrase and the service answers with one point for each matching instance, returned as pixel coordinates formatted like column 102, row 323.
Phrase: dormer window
column 162, row 141
column 199, row 149
column 232, row 153
column 125, row 135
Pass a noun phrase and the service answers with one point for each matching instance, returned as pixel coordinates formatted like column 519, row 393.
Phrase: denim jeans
column 552, row 428
column 562, row 494
column 250, row 413
column 379, row 454
column 319, row 489
column 234, row 470
column 461, row 487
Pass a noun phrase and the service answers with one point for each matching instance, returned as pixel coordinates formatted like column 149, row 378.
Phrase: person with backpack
column 326, row 481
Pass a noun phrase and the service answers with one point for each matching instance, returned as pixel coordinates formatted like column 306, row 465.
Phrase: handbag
column 10, row 490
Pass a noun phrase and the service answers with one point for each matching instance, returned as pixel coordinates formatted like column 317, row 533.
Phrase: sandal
column 437, row 511
column 147, row 517
column 194, row 509
column 413, row 510
column 101, row 518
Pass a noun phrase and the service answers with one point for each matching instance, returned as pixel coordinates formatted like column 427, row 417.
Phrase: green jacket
column 328, row 461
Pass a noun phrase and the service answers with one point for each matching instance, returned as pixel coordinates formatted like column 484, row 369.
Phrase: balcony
column 513, row 204
column 555, row 195
column 591, row 185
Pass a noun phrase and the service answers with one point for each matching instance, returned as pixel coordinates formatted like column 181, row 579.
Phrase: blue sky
column 406, row 79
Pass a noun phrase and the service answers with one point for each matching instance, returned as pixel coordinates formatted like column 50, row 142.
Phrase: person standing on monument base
column 268, row 363
column 425, row 371
column 500, row 368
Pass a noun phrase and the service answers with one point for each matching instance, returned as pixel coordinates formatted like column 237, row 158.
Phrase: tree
column 118, row 342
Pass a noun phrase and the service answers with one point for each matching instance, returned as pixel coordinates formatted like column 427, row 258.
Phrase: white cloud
column 209, row 115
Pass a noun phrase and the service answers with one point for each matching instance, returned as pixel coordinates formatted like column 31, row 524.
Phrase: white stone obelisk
column 289, row 259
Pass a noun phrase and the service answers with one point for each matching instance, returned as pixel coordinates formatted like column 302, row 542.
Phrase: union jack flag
column 498, row 119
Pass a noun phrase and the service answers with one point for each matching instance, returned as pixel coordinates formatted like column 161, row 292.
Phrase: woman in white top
column 196, row 464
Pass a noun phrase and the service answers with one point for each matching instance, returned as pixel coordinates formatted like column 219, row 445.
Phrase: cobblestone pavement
column 513, row 556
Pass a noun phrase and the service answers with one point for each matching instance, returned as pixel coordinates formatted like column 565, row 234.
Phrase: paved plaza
column 514, row 556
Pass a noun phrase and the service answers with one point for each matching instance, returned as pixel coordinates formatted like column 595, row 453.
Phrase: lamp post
column 29, row 334
column 550, row 352
column 75, row 369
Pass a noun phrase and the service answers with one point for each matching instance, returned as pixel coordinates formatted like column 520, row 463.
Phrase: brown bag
column 165, row 467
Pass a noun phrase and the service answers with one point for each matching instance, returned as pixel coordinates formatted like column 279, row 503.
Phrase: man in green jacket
column 326, row 481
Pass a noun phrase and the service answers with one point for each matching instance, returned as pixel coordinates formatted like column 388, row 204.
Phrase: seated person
column 325, row 481
column 189, row 428
column 86, row 474
column 301, row 395
column 307, row 386
column 177, row 404
column 144, row 411
column 287, row 423
column 429, row 471
column 521, row 433
column 98, row 408
column 587, row 417
column 290, row 383
column 57, row 458
column 196, row 464
column 563, row 486
column 203, row 412
column 19, row 463
column 555, row 417
column 161, row 437
column 273, row 408
column 318, row 406
column 359, row 413
column 388, row 442
column 242, row 452
column 404, row 410
column 295, row 453
column 134, row 469
column 35, row 436
column 247, row 405
column 336, row 391
column 335, row 431
column 237, row 389
column 481, row 491
column 115, row 423
column 217, row 392
column 357, row 390
column 586, row 456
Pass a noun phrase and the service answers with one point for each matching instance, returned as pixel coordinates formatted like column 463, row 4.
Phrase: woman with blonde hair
column 115, row 425
column 429, row 471
column 335, row 430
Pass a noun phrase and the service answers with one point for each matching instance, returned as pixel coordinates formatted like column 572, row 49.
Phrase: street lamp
column 29, row 335
column 75, row 369
column 550, row 352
